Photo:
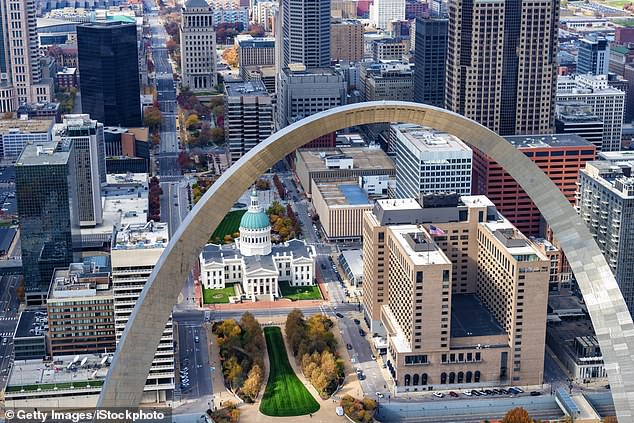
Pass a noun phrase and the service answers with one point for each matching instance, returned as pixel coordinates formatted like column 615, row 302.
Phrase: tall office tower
column 430, row 161
column 606, row 203
column 21, row 47
column 248, row 116
column 460, row 293
column 577, row 117
column 135, row 251
column 44, row 184
column 387, row 81
column 560, row 156
column 594, row 55
column 346, row 41
column 109, row 68
column 90, row 161
column 430, row 57
column 502, row 63
column 607, row 103
column 198, row 51
column 305, row 33
column 383, row 12
column 305, row 92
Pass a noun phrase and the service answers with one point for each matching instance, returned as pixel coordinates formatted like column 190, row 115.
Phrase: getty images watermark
column 114, row 415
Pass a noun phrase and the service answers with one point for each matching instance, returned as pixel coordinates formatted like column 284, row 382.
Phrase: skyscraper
column 606, row 203
column 430, row 57
column 305, row 33
column 198, row 55
column 501, row 63
column 44, row 183
column 90, row 163
column 135, row 251
column 594, row 55
column 383, row 12
column 109, row 68
column 248, row 116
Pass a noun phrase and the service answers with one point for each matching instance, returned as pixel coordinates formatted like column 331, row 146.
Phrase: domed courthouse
column 254, row 262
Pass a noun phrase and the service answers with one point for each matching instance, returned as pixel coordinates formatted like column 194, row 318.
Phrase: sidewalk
column 250, row 305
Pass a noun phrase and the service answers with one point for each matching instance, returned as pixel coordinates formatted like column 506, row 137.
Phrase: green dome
column 254, row 220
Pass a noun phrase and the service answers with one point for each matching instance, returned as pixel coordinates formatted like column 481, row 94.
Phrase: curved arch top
column 610, row 316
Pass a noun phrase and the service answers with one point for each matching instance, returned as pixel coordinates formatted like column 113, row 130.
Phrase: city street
column 8, row 322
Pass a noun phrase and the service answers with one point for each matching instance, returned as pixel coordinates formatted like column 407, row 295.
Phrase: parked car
column 339, row 315
column 535, row 393
column 519, row 390
column 380, row 395
column 438, row 394
column 361, row 332
column 475, row 393
column 453, row 394
column 467, row 393
column 196, row 339
column 356, row 321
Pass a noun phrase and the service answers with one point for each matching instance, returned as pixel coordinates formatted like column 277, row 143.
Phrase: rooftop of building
column 28, row 322
column 428, row 140
column 142, row 236
column 42, row 153
column 342, row 193
column 299, row 69
column 249, row 41
column 616, row 156
column 214, row 253
column 67, row 71
column 354, row 260
column 240, row 88
column 548, row 141
column 418, row 245
column 109, row 24
column 30, row 126
column 78, row 281
column 470, row 317
column 514, row 241
column 617, row 176
column 366, row 158
column 6, row 238
column 76, row 121
column 339, row 21
column 40, row 107
column 63, row 371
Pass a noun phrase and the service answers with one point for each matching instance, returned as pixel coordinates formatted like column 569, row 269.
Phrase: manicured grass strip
column 300, row 292
column 51, row 386
column 285, row 395
column 229, row 225
column 218, row 296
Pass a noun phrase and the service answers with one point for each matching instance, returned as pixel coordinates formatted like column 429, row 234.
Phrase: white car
column 380, row 395
column 467, row 393
column 438, row 394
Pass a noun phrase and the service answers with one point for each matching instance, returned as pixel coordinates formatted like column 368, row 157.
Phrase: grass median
column 285, row 395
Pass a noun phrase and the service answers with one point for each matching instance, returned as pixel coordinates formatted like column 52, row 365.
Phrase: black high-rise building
column 47, row 208
column 430, row 57
column 109, row 68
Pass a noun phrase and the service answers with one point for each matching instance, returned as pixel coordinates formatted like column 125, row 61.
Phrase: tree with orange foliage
column 231, row 56
column 517, row 415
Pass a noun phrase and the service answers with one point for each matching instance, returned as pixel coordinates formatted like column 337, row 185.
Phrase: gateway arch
column 610, row 316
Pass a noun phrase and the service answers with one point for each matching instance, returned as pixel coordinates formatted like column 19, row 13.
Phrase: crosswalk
column 8, row 318
column 5, row 334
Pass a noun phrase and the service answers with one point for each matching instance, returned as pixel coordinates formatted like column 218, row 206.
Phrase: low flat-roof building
column 80, row 311
column 352, row 263
column 17, row 133
column 340, row 164
column 29, row 342
column 340, row 206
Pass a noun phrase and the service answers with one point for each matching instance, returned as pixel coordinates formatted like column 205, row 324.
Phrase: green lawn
column 218, row 296
column 229, row 225
column 285, row 395
column 300, row 292
column 51, row 386
column 614, row 3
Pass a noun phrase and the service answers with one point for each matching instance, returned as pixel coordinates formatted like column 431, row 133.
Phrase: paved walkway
column 250, row 305
column 220, row 392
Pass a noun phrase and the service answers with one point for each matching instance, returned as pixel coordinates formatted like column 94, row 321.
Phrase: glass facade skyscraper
column 44, row 182
column 109, row 67
column 430, row 57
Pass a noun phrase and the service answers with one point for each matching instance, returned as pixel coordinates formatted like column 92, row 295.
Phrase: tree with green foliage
column 152, row 118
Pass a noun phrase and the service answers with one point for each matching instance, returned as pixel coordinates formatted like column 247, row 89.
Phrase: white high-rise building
column 90, row 163
column 383, row 12
column 198, row 46
column 607, row 103
column 430, row 161
column 134, row 254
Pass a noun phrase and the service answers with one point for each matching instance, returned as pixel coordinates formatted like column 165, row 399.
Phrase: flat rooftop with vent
column 140, row 236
